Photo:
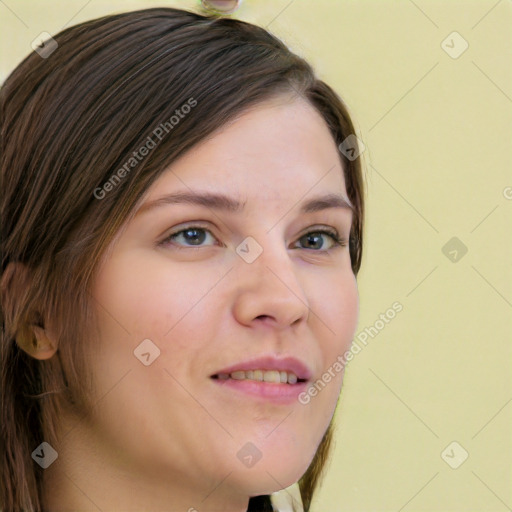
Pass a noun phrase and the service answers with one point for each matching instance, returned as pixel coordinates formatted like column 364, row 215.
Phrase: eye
column 313, row 239
column 193, row 235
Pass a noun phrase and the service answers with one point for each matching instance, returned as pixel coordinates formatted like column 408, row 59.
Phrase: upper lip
column 286, row 364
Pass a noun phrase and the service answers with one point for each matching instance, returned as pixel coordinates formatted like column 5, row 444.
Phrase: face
column 222, row 292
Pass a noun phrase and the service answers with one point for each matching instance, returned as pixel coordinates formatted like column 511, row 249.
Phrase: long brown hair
column 69, row 121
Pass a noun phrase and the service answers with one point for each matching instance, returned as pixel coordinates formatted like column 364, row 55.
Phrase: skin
column 165, row 436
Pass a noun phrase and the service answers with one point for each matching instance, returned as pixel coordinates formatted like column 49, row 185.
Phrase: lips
column 290, row 365
column 271, row 380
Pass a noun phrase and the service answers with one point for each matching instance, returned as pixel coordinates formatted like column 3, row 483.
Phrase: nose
column 268, row 290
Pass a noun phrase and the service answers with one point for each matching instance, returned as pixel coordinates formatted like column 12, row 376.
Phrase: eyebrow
column 218, row 201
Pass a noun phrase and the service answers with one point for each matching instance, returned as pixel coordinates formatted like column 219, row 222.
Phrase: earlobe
column 35, row 341
column 45, row 347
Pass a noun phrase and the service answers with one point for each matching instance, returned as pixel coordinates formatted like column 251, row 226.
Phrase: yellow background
column 438, row 134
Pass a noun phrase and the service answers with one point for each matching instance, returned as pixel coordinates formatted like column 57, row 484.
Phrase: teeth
column 292, row 378
column 272, row 376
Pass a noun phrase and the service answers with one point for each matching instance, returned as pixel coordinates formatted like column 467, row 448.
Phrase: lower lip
column 266, row 391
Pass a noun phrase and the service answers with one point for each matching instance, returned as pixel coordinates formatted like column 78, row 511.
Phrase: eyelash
column 338, row 242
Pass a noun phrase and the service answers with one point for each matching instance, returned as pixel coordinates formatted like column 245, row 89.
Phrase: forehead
column 275, row 149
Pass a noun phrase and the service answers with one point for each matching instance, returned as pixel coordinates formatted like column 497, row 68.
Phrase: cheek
column 337, row 314
column 135, row 302
column 145, row 300
column 337, row 310
column 161, row 302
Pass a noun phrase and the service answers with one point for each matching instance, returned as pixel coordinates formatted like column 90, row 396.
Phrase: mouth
column 267, row 378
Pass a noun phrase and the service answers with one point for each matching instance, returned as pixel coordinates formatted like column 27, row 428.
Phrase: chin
column 266, row 477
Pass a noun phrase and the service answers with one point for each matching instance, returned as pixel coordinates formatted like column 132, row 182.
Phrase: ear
column 36, row 340
column 40, row 345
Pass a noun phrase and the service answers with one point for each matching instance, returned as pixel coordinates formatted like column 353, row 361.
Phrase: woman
column 181, row 235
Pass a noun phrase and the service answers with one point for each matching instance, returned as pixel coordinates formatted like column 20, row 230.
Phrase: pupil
column 195, row 235
column 311, row 240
